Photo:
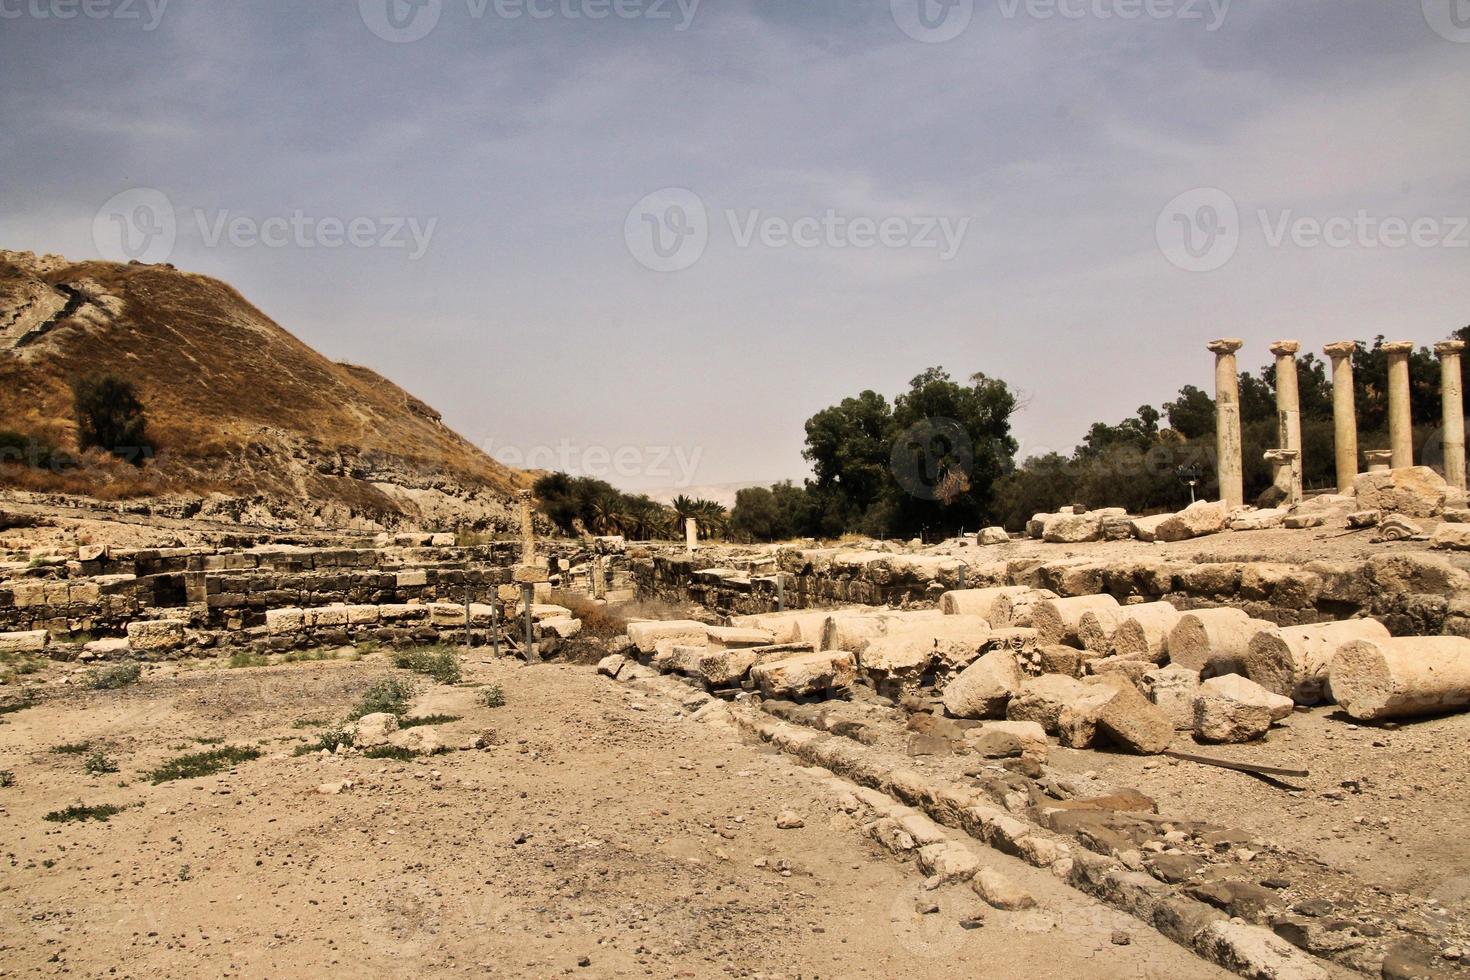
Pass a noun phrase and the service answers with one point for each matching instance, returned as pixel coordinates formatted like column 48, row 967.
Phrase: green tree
column 110, row 416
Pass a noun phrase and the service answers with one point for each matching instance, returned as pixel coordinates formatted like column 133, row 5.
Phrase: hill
column 249, row 422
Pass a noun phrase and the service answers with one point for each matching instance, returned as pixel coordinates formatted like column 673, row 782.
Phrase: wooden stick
column 1238, row 766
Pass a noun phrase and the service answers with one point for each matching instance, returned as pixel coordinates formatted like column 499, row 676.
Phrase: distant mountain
column 250, row 423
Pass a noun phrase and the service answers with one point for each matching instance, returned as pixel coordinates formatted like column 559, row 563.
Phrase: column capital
column 1227, row 345
column 523, row 494
column 1396, row 347
column 1286, row 348
column 1449, row 347
column 1341, row 348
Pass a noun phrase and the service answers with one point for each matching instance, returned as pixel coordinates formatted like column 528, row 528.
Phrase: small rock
column 1001, row 892
column 1121, row 938
column 789, row 820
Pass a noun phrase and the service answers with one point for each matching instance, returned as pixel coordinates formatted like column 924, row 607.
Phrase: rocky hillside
column 250, row 423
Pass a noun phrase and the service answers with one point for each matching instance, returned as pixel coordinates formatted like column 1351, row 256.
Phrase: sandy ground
column 601, row 833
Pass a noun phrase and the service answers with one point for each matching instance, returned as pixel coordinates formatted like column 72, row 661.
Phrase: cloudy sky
column 677, row 230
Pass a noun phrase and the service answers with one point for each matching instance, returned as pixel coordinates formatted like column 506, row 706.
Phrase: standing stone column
column 1344, row 413
column 1289, row 410
column 1227, row 423
column 1400, row 423
column 691, row 534
column 528, row 530
column 1454, row 411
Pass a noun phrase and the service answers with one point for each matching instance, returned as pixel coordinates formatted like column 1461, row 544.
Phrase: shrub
column 426, row 720
column 493, row 697
column 203, row 763
column 245, row 658
column 113, row 677
column 72, row 748
column 7, row 778
column 98, row 764
column 79, row 811
column 390, row 695
column 440, row 663
column 389, row 752
column 329, row 740
column 110, row 417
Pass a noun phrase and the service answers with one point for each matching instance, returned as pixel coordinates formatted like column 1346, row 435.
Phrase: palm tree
column 684, row 508
column 714, row 520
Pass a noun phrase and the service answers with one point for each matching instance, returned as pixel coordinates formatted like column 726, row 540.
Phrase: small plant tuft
column 390, row 695
column 244, row 658
column 99, row 764
column 7, row 778
column 72, row 748
column 439, row 663
column 203, row 763
column 493, row 697
column 113, row 677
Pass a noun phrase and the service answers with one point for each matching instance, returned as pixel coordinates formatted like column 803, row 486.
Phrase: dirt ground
column 602, row 832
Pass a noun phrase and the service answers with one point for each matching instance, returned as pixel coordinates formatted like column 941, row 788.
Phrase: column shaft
column 1227, row 423
column 1344, row 414
column 1453, row 398
column 1400, row 423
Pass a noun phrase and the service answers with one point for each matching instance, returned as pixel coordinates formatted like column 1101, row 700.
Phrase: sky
column 647, row 239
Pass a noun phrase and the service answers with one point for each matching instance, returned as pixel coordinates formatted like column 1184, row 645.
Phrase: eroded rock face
column 1415, row 491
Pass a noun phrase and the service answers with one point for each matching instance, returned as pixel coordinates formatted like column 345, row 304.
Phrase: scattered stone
column 805, row 674
column 948, row 862
column 1008, row 739
column 1121, row 938
column 373, row 730
column 983, row 689
column 1415, row 491
column 1301, row 522
column 334, row 788
column 1198, row 519
column 1232, row 708
column 1041, row 700
column 1000, row 892
column 1173, row 689
column 789, row 820
column 993, row 535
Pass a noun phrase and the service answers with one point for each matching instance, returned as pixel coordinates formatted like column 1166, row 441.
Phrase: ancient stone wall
column 1413, row 594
